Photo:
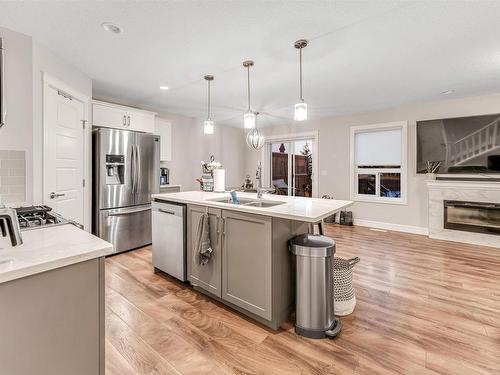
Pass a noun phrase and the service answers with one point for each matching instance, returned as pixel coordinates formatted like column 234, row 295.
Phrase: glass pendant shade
column 208, row 124
column 249, row 120
column 255, row 139
column 300, row 111
column 208, row 127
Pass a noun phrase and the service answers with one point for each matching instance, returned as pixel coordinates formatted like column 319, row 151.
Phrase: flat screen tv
column 463, row 145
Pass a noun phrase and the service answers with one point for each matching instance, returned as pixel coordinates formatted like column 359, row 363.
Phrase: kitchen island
column 250, row 268
column 52, row 293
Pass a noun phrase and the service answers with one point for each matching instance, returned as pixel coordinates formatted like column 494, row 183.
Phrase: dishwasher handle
column 166, row 211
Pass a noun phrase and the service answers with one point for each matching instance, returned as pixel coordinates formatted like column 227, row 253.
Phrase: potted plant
column 431, row 168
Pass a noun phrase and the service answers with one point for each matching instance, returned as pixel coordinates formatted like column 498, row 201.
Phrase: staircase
column 476, row 144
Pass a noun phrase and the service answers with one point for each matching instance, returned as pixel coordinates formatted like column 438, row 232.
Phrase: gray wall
column 25, row 61
column 15, row 135
column 190, row 146
column 334, row 153
column 45, row 61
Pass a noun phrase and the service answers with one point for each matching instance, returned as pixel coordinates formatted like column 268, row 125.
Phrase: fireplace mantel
column 473, row 191
column 470, row 185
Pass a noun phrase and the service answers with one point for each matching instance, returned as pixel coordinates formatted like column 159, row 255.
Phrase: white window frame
column 354, row 171
column 266, row 152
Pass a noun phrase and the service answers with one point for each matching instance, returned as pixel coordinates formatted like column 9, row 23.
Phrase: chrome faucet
column 258, row 177
column 10, row 224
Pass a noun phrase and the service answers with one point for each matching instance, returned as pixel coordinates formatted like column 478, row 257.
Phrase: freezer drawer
column 169, row 239
column 126, row 228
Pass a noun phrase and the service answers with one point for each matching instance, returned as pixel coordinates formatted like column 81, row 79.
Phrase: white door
column 64, row 140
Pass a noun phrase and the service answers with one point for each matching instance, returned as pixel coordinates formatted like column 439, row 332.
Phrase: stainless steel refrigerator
column 125, row 174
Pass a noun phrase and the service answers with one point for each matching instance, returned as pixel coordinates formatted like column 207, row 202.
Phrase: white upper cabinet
column 163, row 128
column 116, row 116
column 108, row 116
column 141, row 121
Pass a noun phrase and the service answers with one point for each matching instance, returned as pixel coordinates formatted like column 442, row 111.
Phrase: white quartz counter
column 309, row 210
column 48, row 248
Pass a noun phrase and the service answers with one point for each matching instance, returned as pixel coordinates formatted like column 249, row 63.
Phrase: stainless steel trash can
column 314, row 310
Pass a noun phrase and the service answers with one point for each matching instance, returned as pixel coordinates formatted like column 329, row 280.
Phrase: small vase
column 431, row 176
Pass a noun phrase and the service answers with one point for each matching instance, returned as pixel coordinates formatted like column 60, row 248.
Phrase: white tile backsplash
column 12, row 176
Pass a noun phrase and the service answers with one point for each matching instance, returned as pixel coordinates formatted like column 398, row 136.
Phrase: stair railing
column 475, row 144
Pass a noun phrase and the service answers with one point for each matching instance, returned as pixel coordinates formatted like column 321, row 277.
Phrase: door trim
column 50, row 81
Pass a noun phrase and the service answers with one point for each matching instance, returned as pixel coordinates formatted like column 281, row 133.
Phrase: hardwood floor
column 424, row 307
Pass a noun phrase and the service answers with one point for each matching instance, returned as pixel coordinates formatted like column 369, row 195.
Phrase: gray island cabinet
column 250, row 269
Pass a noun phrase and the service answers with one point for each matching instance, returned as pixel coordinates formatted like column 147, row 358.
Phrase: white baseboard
column 391, row 226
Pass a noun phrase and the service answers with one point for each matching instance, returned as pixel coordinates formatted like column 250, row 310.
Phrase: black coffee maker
column 164, row 176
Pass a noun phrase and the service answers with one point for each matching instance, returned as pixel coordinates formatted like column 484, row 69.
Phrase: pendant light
column 255, row 139
column 208, row 124
column 301, row 107
column 249, row 118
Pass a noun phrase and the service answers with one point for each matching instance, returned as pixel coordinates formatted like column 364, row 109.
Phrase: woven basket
column 343, row 292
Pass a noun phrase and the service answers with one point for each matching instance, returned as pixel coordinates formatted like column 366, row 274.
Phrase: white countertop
column 48, row 248
column 170, row 185
column 309, row 210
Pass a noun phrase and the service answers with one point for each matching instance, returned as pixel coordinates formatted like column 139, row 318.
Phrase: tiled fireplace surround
column 473, row 191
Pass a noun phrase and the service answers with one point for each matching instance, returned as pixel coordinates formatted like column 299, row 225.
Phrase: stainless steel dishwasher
column 169, row 238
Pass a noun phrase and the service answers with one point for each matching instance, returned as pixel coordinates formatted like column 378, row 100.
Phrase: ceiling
column 363, row 55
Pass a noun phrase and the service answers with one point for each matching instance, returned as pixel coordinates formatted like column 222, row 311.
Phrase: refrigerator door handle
column 132, row 169
column 138, row 164
column 128, row 212
column 136, row 168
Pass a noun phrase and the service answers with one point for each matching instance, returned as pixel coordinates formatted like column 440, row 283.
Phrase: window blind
column 378, row 148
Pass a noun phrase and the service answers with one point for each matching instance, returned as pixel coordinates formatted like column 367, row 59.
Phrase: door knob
column 54, row 195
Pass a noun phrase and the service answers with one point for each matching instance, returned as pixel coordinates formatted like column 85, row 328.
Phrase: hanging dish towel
column 203, row 246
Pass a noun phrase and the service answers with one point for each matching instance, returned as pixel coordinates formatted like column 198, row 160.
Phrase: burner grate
column 31, row 210
column 36, row 216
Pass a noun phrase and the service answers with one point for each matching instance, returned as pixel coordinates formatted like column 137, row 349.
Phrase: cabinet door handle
column 223, row 226
column 217, row 230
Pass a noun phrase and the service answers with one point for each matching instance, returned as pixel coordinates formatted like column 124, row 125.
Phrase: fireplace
column 476, row 217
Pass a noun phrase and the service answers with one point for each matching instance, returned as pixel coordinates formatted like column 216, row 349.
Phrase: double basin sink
column 248, row 202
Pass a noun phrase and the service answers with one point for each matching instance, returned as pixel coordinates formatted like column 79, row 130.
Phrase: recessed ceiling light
column 447, row 92
column 111, row 27
column 163, row 87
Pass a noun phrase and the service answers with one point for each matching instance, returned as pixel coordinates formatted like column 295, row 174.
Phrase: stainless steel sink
column 248, row 202
column 229, row 200
column 263, row 204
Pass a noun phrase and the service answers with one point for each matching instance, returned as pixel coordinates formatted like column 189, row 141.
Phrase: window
column 290, row 163
column 291, row 166
column 378, row 163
